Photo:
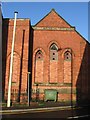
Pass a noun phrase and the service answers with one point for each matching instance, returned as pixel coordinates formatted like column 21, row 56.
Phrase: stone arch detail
column 53, row 42
column 35, row 51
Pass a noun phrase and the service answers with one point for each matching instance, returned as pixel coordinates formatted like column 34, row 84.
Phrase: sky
column 75, row 13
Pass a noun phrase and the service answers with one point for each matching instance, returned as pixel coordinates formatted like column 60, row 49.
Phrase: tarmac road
column 53, row 112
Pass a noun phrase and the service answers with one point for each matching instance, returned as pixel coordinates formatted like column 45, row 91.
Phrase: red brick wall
column 65, row 77
column 20, row 61
column 53, row 20
column 67, row 72
column 53, row 72
column 39, row 72
column 64, row 39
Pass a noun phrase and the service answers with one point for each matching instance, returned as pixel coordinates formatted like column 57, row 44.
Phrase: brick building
column 54, row 53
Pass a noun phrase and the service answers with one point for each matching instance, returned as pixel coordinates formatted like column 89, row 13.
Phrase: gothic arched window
column 67, row 56
column 67, row 67
column 39, row 67
column 39, row 55
column 53, row 63
column 53, row 52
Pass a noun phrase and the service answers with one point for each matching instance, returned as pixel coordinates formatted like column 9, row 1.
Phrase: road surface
column 68, row 113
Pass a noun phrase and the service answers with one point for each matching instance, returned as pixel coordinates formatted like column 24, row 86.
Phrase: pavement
column 38, row 106
column 46, row 108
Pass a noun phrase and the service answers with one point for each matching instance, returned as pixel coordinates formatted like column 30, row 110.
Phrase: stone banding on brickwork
column 53, row 28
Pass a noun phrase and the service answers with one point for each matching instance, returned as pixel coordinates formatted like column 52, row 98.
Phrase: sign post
column 29, row 88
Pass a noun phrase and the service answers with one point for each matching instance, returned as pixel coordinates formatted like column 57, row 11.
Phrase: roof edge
column 48, row 14
column 82, row 37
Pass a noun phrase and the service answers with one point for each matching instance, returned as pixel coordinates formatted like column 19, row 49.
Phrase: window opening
column 39, row 55
column 67, row 56
column 53, row 52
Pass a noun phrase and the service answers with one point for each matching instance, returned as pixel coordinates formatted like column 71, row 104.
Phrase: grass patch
column 41, row 104
column 19, row 104
column 3, row 104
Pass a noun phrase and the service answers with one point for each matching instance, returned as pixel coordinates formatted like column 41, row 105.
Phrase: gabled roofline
column 82, row 37
column 48, row 14
column 65, row 21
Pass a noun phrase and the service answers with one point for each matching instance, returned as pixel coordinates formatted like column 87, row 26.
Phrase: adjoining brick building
column 55, row 54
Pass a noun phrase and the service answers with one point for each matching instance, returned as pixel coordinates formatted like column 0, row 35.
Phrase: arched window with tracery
column 67, row 67
column 39, row 67
column 53, row 63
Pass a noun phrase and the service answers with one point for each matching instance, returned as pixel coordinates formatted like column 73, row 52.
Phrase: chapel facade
column 50, row 55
